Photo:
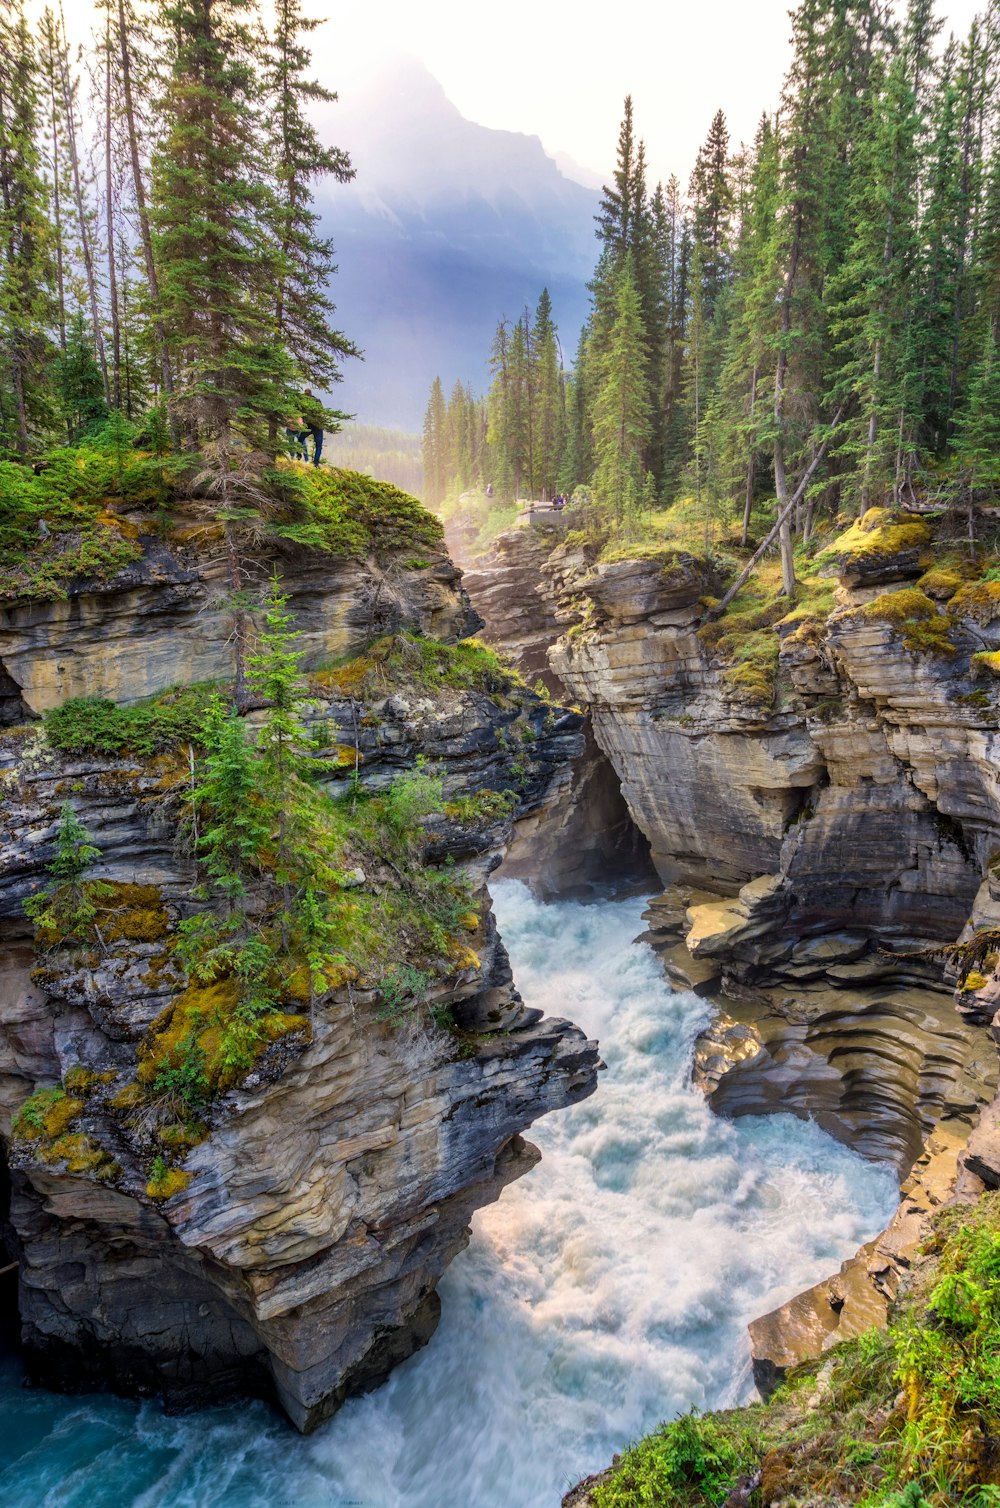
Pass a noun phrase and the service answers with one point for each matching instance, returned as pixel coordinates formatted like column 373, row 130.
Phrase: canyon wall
column 294, row 1247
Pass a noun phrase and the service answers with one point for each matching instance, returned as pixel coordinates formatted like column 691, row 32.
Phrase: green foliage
column 692, row 1460
column 346, row 513
column 91, row 725
column 66, row 910
column 55, row 527
column 404, row 661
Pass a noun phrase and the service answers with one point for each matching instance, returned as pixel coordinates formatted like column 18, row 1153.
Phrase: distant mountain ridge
column 447, row 225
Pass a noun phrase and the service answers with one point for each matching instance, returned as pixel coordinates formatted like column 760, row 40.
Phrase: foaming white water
column 607, row 1290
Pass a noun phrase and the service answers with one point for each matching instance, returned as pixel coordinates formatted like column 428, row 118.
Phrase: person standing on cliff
column 314, row 418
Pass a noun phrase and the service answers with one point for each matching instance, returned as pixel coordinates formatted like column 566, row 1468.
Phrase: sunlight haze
column 560, row 72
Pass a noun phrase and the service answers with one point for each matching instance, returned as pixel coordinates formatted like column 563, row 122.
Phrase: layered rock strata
column 163, row 621
column 332, row 1185
column 814, row 845
column 583, row 841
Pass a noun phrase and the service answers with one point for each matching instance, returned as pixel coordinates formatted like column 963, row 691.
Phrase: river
column 607, row 1290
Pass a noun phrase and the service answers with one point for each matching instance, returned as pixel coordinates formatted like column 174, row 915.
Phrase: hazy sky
column 560, row 70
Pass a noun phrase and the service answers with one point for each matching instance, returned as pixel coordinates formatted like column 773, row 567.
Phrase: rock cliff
column 290, row 1242
column 820, row 797
column 583, row 840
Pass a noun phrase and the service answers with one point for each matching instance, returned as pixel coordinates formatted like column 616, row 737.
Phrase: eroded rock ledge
column 814, row 843
column 337, row 1180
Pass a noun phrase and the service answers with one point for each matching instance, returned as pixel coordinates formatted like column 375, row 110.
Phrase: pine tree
column 621, row 411
column 303, row 306
column 235, row 823
column 712, row 201
column 434, row 446
column 27, row 307
column 78, row 383
column 212, row 214
column 67, row 910
column 274, row 674
column 550, row 420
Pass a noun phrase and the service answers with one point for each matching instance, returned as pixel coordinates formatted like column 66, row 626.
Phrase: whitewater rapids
column 607, row 1290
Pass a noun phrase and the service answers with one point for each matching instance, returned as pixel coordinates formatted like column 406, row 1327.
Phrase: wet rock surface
column 336, row 1181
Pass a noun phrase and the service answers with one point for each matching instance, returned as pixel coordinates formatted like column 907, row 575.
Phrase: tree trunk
column 780, row 524
column 109, row 199
column 784, row 527
column 138, row 188
column 748, row 500
column 85, row 246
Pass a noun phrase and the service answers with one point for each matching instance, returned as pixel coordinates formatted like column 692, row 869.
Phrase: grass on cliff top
column 403, row 661
column 64, row 519
column 908, row 1417
column 746, row 638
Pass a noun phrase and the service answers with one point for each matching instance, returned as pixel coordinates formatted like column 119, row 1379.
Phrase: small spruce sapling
column 67, row 909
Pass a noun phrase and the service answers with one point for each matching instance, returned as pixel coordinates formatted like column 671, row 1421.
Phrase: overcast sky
column 560, row 70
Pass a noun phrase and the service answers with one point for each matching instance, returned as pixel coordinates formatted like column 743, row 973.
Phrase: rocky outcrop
column 867, row 787
column 326, row 1190
column 583, row 841
column 819, row 825
column 163, row 621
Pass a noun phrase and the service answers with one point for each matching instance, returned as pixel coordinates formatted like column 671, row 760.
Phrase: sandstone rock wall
column 162, row 622
column 869, row 788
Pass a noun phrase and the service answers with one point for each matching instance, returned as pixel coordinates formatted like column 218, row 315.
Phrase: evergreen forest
column 811, row 330
column 164, row 283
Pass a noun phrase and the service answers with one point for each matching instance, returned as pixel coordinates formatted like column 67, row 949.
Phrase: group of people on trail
column 308, row 423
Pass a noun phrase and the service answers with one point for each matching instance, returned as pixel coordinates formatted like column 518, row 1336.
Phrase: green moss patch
column 348, row 513
column 199, row 1046
column 46, row 1114
column 165, row 1182
column 978, row 600
column 912, row 614
column 400, row 662
column 875, row 539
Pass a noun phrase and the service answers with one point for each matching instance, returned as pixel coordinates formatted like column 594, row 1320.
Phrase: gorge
column 320, row 1197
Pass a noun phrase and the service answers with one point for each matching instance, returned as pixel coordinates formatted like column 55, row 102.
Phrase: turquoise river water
column 607, row 1290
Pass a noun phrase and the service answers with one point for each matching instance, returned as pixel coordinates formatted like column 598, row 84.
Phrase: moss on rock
column 912, row 614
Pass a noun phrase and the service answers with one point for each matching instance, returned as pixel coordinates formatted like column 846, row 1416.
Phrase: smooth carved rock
column 582, row 839
column 338, row 1181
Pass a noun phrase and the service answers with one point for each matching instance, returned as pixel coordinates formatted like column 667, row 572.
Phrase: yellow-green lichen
column 941, row 582
column 82, row 1081
column 165, row 1182
column 978, row 600
column 133, row 913
column 201, row 1046
column 81, row 1154
column 878, row 536
column 46, row 1114
column 988, row 660
column 914, row 617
